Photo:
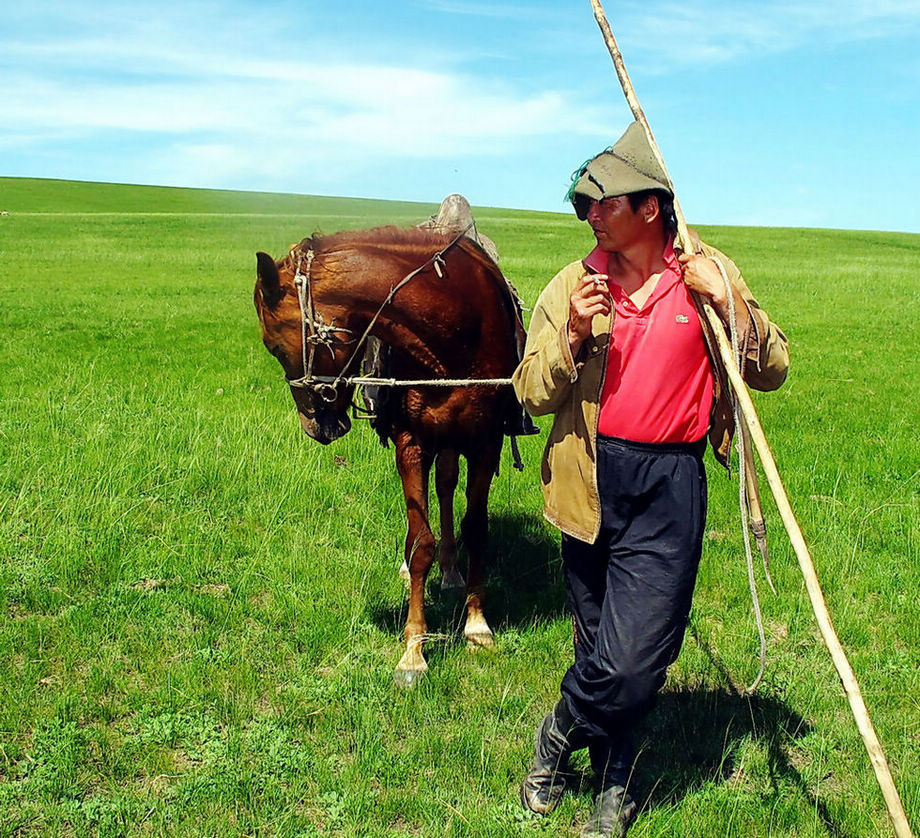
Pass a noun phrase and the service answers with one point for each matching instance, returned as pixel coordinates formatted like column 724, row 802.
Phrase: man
column 620, row 354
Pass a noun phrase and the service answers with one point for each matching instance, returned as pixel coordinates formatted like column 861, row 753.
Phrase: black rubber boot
column 557, row 736
column 614, row 810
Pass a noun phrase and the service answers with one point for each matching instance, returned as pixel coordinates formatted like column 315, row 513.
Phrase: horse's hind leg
column 446, row 475
column 414, row 465
column 475, row 529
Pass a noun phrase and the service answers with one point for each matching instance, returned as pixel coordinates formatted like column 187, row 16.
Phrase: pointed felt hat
column 628, row 166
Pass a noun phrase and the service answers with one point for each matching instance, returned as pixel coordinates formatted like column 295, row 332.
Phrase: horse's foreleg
column 447, row 473
column 414, row 465
column 475, row 529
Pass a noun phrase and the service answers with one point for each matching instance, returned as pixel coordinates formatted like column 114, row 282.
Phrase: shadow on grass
column 694, row 736
column 523, row 582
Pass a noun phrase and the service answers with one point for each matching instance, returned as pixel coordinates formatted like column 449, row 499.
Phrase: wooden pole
column 818, row 603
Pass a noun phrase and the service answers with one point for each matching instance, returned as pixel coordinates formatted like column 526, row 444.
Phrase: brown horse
column 444, row 310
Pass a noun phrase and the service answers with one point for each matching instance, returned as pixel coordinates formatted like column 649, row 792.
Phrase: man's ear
column 650, row 208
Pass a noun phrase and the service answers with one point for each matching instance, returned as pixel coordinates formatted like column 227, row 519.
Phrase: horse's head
column 323, row 408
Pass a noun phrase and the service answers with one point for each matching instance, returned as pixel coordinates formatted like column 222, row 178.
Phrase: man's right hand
column 590, row 298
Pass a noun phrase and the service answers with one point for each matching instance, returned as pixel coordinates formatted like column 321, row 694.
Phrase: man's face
column 615, row 224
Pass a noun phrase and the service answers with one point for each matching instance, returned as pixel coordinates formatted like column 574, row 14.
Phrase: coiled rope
column 742, row 481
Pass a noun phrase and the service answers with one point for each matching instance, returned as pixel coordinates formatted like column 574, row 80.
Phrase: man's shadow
column 694, row 736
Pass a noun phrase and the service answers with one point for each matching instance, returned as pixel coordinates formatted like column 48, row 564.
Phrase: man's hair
column 665, row 207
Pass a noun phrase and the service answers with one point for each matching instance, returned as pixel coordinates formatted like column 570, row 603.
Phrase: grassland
column 199, row 607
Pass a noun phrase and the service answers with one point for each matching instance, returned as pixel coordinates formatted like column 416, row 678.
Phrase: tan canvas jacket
column 550, row 380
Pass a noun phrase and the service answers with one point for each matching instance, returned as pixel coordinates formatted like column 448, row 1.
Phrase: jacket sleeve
column 544, row 378
column 764, row 346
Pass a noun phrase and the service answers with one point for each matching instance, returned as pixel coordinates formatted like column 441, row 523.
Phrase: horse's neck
column 402, row 327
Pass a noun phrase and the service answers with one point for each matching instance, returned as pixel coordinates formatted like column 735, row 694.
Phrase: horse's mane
column 379, row 237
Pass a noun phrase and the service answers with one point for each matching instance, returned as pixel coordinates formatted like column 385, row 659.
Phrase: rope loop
column 740, row 443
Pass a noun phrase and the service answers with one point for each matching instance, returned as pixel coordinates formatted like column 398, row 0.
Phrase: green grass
column 199, row 608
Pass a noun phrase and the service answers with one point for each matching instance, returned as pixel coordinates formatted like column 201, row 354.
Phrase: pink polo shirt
column 658, row 385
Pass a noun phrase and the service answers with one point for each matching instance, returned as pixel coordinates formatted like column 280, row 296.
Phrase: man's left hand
column 702, row 275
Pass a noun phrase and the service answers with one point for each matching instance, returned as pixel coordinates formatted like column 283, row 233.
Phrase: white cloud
column 719, row 32
column 231, row 112
column 313, row 95
column 493, row 10
column 390, row 109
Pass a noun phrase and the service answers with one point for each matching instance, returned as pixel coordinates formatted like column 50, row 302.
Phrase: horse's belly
column 456, row 417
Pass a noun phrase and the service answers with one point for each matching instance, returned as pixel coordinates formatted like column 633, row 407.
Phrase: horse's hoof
column 477, row 632
column 480, row 640
column 407, row 678
column 452, row 581
column 411, row 666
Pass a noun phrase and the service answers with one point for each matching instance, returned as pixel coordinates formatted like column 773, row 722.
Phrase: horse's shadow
column 523, row 583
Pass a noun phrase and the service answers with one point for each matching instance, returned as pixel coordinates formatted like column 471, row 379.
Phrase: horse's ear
column 269, row 279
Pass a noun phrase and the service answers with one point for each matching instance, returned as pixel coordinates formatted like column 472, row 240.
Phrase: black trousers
column 630, row 591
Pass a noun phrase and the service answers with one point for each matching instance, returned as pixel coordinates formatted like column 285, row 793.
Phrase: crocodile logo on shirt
column 682, row 318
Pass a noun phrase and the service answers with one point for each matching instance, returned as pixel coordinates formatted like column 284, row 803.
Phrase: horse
column 444, row 310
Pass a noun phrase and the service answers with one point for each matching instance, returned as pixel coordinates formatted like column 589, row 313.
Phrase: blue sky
column 783, row 114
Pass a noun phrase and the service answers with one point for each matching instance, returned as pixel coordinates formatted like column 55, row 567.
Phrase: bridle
column 315, row 332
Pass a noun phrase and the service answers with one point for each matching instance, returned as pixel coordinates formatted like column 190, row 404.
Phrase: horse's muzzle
column 325, row 426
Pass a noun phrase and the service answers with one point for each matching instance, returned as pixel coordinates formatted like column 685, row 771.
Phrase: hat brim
column 607, row 176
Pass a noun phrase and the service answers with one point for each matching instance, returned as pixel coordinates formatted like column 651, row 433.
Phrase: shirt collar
column 598, row 261
column 670, row 276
